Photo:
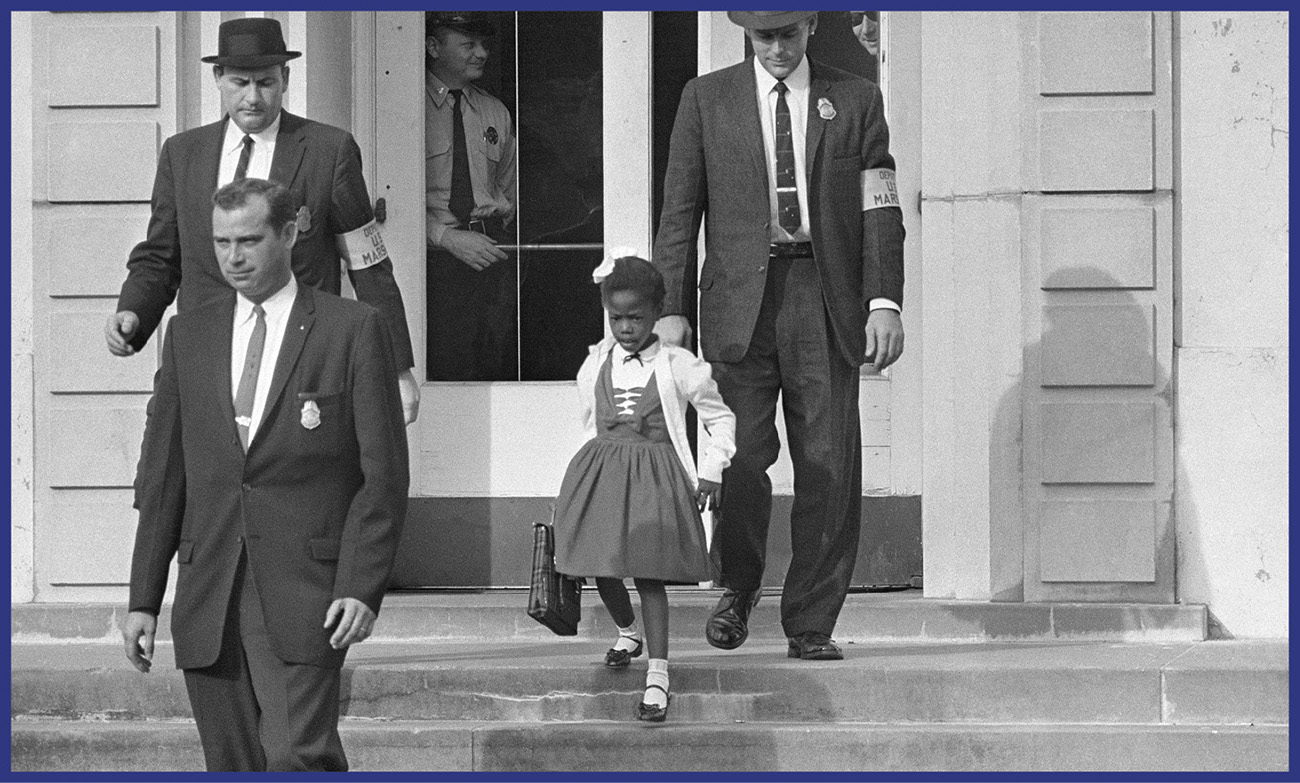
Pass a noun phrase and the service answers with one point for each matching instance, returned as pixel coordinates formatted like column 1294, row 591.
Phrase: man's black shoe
column 728, row 628
column 814, row 646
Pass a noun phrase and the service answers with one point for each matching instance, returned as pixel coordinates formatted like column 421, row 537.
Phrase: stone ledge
column 867, row 617
column 58, row 746
column 565, row 681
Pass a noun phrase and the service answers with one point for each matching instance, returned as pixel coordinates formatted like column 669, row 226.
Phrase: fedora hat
column 768, row 20
column 467, row 22
column 252, row 42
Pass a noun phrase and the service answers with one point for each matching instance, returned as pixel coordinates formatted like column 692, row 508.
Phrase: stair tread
column 558, row 653
column 904, row 615
column 353, row 724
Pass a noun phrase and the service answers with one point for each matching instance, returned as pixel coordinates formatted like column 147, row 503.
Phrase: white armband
column 879, row 189
column 363, row 247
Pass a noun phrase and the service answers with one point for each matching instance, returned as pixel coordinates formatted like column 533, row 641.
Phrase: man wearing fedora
column 787, row 163
column 470, row 171
column 318, row 163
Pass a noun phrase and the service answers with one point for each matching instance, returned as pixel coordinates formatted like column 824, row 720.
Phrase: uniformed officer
column 470, row 200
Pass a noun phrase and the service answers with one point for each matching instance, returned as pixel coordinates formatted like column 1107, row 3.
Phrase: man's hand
column 137, row 634
column 476, row 250
column 410, row 391
column 355, row 621
column 884, row 337
column 708, row 495
column 120, row 328
column 674, row 330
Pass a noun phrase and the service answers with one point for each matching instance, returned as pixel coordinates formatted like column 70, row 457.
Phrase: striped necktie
column 787, row 191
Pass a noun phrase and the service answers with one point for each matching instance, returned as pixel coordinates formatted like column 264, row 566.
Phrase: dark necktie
column 461, row 202
column 787, row 191
column 248, row 380
column 241, row 168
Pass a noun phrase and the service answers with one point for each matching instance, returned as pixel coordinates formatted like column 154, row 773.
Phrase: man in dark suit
column 274, row 468
column 802, row 279
column 321, row 166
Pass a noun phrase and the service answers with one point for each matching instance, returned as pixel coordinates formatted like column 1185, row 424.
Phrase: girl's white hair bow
column 607, row 265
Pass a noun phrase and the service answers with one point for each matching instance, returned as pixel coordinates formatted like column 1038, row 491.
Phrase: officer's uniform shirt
column 259, row 162
column 490, row 144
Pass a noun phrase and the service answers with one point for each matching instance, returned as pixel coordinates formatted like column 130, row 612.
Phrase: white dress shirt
column 798, row 82
column 259, row 163
column 277, row 307
column 797, row 99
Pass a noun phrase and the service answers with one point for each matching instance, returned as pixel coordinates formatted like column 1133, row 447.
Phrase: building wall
column 1231, row 236
column 1233, row 353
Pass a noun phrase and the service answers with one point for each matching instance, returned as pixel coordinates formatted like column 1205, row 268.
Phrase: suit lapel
column 209, row 161
column 211, row 361
column 819, row 89
column 742, row 104
column 203, row 182
column 301, row 318
column 290, row 145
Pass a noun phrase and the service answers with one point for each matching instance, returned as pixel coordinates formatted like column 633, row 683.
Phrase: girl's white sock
column 656, row 674
column 628, row 638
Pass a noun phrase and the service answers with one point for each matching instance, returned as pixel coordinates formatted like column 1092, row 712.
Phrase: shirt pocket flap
column 437, row 144
column 324, row 548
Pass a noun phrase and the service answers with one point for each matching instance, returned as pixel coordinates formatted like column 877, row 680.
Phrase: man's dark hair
column 235, row 195
column 637, row 275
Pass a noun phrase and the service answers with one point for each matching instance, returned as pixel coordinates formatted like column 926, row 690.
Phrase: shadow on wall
column 1089, row 422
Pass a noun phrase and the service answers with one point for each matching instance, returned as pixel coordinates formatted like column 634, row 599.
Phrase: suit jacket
column 321, row 166
column 319, row 510
column 717, row 172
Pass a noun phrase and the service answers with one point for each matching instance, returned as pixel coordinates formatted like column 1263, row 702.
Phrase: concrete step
column 676, row 746
column 496, row 616
column 1217, row 682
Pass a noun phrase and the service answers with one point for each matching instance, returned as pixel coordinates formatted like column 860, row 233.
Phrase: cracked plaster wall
column 1231, row 325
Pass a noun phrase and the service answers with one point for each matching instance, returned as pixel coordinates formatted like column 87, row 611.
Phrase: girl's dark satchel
column 554, row 600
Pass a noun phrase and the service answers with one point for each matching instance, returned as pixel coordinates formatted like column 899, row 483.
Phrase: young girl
column 630, row 502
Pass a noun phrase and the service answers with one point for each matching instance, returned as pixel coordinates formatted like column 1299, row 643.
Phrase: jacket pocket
column 324, row 548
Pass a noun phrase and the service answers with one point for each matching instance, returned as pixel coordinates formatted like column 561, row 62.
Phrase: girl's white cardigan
column 681, row 377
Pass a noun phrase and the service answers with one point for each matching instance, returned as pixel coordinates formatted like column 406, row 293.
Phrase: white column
column 209, row 98
column 21, row 385
column 626, row 141
column 1233, row 343
column 971, row 358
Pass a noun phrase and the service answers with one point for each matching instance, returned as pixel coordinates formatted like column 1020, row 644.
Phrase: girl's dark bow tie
column 654, row 338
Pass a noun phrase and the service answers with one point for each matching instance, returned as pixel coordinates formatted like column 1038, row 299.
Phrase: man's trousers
column 256, row 713
column 793, row 354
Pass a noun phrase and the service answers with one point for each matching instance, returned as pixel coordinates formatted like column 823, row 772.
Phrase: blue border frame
column 627, row 777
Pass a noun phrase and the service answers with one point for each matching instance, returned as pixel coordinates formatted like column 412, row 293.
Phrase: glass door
column 488, row 453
